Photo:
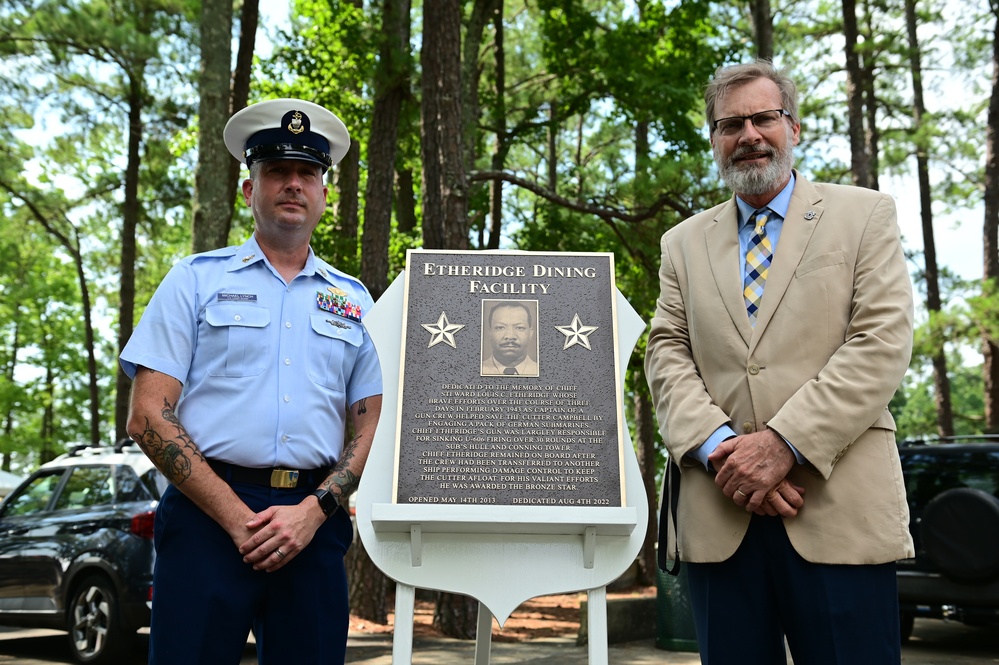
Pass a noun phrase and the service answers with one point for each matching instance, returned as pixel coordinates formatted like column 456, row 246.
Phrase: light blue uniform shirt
column 267, row 372
column 778, row 211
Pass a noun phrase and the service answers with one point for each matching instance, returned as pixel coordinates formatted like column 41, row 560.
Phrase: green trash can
column 674, row 616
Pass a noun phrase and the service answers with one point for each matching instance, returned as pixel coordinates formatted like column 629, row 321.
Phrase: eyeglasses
column 763, row 120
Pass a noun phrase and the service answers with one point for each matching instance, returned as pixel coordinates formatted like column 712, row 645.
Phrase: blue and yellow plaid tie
column 759, row 254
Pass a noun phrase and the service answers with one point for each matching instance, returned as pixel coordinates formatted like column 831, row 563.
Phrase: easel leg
column 402, row 639
column 483, row 635
column 596, row 625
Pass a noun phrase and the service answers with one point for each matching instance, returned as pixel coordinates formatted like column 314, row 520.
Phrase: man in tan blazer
column 792, row 509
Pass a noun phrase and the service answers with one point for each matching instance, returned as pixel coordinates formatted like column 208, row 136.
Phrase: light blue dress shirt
column 778, row 211
column 268, row 368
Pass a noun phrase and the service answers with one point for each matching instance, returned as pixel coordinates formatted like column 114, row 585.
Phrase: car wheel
column 960, row 532
column 96, row 635
column 907, row 621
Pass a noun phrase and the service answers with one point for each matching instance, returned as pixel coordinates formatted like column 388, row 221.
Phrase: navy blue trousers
column 206, row 600
column 830, row 614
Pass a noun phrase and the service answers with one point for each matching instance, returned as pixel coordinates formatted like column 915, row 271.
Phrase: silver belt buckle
column 284, row 478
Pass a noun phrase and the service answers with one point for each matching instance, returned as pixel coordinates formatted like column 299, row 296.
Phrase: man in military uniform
column 245, row 365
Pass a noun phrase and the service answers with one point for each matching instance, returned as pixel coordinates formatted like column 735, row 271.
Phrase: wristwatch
column 327, row 501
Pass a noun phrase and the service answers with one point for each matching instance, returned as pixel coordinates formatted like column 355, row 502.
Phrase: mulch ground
column 541, row 617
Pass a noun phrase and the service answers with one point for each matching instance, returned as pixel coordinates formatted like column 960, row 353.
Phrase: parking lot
column 933, row 643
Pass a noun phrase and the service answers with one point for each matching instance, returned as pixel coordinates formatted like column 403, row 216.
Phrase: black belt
column 269, row 477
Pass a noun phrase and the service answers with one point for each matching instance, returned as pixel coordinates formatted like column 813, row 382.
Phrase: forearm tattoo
column 342, row 477
column 362, row 406
column 171, row 456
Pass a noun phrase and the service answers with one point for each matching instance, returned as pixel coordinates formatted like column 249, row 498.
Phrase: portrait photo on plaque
column 510, row 338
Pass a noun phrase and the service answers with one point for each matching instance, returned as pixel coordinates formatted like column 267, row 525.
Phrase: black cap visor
column 273, row 151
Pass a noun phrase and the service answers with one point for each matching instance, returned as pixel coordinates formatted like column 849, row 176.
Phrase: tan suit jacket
column 831, row 344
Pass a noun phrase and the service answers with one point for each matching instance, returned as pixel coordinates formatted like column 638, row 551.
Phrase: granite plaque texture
column 509, row 389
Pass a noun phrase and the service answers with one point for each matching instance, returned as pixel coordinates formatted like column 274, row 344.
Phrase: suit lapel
column 722, row 241
column 803, row 214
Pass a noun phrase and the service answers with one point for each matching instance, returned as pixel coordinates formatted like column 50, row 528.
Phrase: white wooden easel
column 499, row 555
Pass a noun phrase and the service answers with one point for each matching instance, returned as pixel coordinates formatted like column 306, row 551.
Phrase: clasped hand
column 752, row 472
column 279, row 533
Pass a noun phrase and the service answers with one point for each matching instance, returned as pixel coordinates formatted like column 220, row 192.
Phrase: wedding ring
column 742, row 493
column 279, row 553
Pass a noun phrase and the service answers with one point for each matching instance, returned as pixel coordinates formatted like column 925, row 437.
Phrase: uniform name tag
column 238, row 297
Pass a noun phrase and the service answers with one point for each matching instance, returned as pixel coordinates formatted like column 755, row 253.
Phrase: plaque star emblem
column 442, row 331
column 576, row 333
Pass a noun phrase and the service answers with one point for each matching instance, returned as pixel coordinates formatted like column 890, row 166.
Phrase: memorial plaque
column 509, row 385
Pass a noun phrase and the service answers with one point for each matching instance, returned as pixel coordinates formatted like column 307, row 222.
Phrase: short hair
column 512, row 303
column 733, row 76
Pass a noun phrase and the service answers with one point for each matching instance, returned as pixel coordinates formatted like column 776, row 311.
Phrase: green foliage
column 76, row 68
column 43, row 389
column 651, row 67
column 915, row 410
column 984, row 309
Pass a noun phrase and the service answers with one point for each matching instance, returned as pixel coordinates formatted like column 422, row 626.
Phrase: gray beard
column 753, row 180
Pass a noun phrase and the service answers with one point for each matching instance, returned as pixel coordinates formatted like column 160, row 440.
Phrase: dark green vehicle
column 952, row 488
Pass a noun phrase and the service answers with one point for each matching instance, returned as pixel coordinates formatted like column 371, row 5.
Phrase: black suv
column 76, row 549
column 953, row 493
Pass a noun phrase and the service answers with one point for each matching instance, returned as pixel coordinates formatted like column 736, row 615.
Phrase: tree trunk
column 91, row 342
column 222, row 94
column 479, row 17
column 240, row 94
column 405, row 201
column 213, row 198
column 990, row 235
column 368, row 587
column 456, row 615
column 763, row 28
column 644, row 412
column 499, row 128
column 872, row 135
column 130, row 220
column 346, row 213
column 391, row 88
column 645, row 444
column 445, row 224
column 941, row 382
column 860, row 163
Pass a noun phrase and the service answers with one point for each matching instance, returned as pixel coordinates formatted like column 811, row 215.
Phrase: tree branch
column 604, row 213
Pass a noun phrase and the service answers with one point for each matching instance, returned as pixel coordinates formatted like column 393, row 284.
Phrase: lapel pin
column 810, row 215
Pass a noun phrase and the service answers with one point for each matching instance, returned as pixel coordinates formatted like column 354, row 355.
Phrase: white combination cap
column 286, row 129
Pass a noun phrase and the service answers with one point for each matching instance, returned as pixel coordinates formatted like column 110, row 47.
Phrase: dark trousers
column 206, row 600
column 831, row 614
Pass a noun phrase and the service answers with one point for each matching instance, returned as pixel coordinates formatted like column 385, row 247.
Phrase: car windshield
column 35, row 496
column 929, row 471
